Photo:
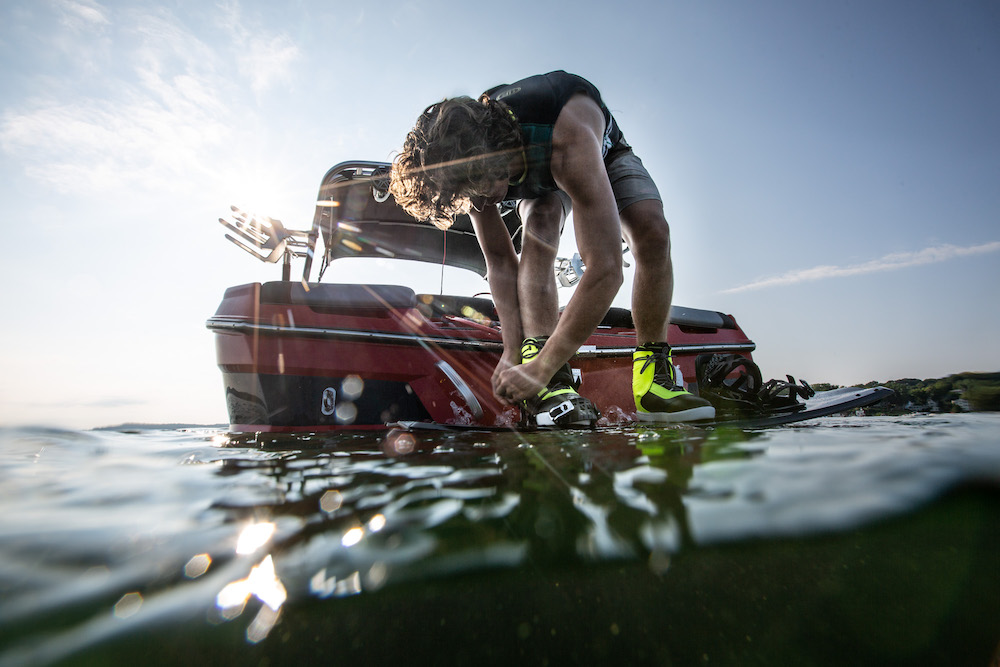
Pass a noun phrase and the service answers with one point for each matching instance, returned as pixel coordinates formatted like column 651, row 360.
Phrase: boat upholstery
column 679, row 315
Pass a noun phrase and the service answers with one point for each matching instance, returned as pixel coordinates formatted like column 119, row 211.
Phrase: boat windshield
column 422, row 277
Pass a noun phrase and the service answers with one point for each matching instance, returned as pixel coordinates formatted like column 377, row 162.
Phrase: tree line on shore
column 963, row 392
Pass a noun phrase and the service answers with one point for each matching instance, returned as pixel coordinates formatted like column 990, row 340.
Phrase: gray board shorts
column 630, row 181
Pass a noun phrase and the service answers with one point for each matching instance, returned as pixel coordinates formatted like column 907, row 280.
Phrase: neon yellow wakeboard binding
column 659, row 397
column 558, row 403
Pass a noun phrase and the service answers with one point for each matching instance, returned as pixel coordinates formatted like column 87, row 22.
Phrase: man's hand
column 508, row 359
column 520, row 382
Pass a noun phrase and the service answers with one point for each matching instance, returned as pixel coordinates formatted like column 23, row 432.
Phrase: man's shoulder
column 581, row 117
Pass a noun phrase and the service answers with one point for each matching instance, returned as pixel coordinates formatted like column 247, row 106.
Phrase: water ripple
column 105, row 532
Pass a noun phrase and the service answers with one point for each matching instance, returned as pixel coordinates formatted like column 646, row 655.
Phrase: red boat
column 298, row 355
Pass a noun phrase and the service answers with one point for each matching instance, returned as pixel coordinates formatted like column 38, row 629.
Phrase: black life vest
column 536, row 102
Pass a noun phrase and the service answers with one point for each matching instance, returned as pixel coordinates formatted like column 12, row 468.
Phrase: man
column 550, row 143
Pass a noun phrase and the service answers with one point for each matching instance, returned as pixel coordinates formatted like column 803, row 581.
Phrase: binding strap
column 746, row 394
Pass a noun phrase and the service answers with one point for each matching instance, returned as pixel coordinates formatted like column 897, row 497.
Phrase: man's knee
column 648, row 230
column 543, row 219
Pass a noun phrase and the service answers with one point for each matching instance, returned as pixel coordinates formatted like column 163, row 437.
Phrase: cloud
column 892, row 262
column 82, row 15
column 264, row 59
column 92, row 146
column 154, row 125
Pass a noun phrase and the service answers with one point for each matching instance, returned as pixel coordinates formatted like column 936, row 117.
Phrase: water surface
column 858, row 540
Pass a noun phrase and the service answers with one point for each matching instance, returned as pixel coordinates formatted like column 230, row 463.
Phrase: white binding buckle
column 549, row 417
column 561, row 410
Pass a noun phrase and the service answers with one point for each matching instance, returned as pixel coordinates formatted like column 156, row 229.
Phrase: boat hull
column 320, row 357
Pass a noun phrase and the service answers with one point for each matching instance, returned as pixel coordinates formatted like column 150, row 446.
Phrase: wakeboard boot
column 558, row 403
column 658, row 396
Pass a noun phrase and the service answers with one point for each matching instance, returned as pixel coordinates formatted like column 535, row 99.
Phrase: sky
column 830, row 171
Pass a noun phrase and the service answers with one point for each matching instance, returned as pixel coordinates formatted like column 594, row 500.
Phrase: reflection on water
column 110, row 539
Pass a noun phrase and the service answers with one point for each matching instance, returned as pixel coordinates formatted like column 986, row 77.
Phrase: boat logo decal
column 329, row 404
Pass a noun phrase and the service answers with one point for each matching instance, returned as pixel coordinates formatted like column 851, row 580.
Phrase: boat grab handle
column 463, row 389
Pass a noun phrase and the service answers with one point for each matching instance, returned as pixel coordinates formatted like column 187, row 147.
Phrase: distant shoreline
column 960, row 392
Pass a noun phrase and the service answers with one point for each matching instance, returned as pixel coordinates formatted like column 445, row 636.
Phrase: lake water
column 861, row 540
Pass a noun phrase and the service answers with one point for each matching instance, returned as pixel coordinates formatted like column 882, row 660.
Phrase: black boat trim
column 226, row 326
column 222, row 325
column 588, row 351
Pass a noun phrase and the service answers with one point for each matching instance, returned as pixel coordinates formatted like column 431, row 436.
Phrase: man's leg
column 648, row 236
column 558, row 404
column 543, row 219
column 658, row 394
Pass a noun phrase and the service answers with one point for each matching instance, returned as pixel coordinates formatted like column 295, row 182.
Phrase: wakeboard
column 820, row 404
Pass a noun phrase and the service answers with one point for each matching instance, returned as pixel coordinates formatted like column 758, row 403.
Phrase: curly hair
column 457, row 147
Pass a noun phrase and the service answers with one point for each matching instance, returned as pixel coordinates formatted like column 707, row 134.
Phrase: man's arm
column 578, row 169
column 501, row 271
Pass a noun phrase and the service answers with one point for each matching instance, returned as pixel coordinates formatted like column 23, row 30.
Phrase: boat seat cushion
column 679, row 315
